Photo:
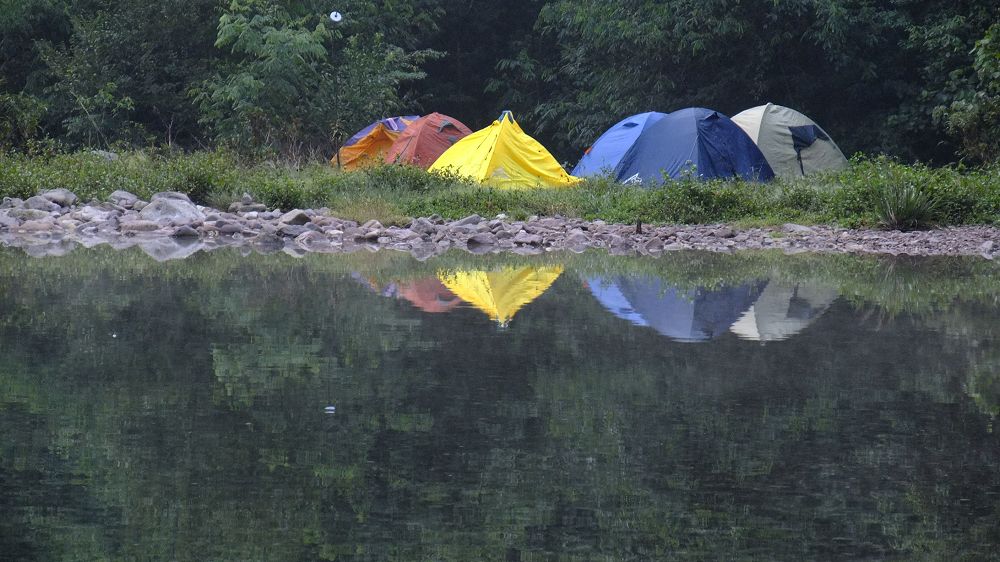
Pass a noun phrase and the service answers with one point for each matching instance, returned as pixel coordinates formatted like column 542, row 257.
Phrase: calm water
column 575, row 407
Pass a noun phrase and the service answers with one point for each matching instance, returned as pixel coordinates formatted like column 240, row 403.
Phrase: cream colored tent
column 793, row 144
column 783, row 310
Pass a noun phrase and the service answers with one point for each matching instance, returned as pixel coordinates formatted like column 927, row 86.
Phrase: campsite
column 560, row 280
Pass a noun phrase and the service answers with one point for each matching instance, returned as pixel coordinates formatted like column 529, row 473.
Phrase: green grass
column 873, row 192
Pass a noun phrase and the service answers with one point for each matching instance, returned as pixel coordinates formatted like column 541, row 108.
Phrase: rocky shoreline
column 170, row 226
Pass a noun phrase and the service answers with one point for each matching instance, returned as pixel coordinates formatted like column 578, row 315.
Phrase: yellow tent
column 503, row 155
column 500, row 294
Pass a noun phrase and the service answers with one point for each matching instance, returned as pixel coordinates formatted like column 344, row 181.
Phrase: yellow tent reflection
column 500, row 294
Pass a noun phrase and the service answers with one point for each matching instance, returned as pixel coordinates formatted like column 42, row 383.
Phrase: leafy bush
column 906, row 206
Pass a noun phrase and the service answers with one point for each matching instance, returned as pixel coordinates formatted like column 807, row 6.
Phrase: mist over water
column 561, row 407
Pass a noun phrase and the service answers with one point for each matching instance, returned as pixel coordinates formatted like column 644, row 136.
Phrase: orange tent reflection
column 429, row 295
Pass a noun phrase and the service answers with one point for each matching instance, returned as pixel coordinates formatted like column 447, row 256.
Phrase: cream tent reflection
column 783, row 310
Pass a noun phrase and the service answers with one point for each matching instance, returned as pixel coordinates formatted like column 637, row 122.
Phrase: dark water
column 576, row 407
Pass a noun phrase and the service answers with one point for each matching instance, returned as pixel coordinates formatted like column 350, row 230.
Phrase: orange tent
column 369, row 145
column 425, row 139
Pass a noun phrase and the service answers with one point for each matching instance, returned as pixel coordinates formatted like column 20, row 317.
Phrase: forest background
column 915, row 79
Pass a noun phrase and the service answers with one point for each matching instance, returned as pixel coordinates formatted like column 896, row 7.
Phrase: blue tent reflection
column 687, row 315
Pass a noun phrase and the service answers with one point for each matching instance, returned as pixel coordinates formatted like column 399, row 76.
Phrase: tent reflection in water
column 686, row 315
column 783, row 310
column 501, row 293
column 428, row 294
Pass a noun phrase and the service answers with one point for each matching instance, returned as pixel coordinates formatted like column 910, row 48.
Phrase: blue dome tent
column 607, row 151
column 682, row 315
column 699, row 141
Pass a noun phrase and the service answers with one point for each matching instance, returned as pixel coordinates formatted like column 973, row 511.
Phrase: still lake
column 563, row 407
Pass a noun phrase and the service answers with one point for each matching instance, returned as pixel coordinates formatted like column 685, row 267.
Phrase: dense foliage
column 916, row 79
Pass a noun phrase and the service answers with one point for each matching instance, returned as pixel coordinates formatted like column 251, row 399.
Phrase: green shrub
column 905, row 206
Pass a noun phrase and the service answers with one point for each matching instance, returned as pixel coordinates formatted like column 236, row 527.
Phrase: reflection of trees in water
column 199, row 431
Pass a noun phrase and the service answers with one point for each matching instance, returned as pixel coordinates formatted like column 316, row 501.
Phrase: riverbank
column 871, row 193
column 171, row 226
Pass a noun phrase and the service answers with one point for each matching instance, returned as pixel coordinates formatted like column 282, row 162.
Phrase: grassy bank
column 872, row 192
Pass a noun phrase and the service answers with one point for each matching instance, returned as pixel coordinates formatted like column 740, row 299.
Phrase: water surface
column 565, row 407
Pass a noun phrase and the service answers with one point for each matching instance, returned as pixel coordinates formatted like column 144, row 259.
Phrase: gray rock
column 482, row 239
column 27, row 214
column 372, row 224
column 7, row 220
column 266, row 240
column 577, row 239
column 39, row 225
column 292, row 230
column 185, row 231
column 523, row 237
column 89, row 214
column 172, row 211
column 986, row 247
column 654, row 245
column 405, row 235
column 40, row 203
column 294, row 217
column 230, row 228
column 797, row 228
column 139, row 226
column 311, row 238
column 471, row 219
column 422, row 226
column 62, row 197
column 463, row 228
column 171, row 195
column 122, row 198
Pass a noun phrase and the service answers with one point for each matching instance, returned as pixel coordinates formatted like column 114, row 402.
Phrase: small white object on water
column 335, row 17
column 330, row 410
